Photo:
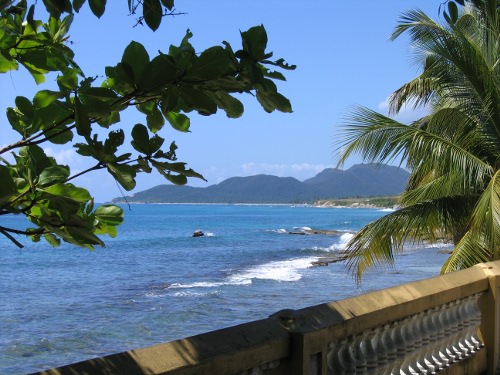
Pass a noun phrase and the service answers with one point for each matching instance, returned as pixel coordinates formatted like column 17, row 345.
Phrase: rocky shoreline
column 387, row 203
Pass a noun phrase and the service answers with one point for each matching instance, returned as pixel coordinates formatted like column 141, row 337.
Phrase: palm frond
column 469, row 251
column 464, row 67
column 378, row 242
column 481, row 243
column 380, row 139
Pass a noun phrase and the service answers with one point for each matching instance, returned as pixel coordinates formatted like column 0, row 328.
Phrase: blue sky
column 343, row 59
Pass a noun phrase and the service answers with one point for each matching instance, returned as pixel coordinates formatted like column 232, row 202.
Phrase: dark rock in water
column 198, row 233
column 319, row 263
column 162, row 286
column 325, row 261
column 300, row 233
column 445, row 251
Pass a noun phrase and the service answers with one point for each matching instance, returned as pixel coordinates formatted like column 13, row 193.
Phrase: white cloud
column 64, row 156
column 406, row 114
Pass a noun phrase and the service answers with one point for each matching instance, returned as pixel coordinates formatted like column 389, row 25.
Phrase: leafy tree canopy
column 165, row 88
column 453, row 153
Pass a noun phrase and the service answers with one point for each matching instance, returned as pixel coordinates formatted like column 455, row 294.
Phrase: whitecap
column 199, row 284
column 337, row 246
column 194, row 294
column 280, row 231
column 387, row 210
column 301, row 228
column 285, row 270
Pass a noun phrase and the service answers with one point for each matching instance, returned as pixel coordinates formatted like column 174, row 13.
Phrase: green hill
column 362, row 180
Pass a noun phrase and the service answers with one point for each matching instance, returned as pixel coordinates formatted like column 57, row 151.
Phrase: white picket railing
column 448, row 324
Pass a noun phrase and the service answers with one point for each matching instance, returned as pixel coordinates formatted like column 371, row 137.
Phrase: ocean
column 156, row 283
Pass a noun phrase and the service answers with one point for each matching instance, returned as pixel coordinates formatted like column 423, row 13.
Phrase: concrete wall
column 435, row 318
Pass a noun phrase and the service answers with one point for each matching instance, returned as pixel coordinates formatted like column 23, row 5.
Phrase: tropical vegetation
column 84, row 111
column 453, row 153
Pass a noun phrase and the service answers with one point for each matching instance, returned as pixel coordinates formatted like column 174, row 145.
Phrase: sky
column 343, row 58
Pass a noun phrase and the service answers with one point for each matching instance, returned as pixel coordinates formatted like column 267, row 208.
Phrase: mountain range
column 361, row 180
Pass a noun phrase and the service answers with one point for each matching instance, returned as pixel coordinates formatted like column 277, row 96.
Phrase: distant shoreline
column 389, row 203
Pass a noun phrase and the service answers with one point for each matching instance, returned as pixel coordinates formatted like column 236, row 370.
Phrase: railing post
column 489, row 305
column 308, row 357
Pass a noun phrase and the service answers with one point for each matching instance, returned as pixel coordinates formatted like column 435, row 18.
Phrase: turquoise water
column 156, row 283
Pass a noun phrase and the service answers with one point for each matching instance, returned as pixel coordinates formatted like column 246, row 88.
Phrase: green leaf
column 271, row 101
column 120, row 78
column 169, row 4
column 54, row 7
column 255, row 42
column 152, row 12
column 178, row 179
column 63, row 29
column 198, row 100
column 50, row 175
column 158, row 73
column 107, row 121
column 140, row 138
column 166, row 168
column 56, row 113
column 101, row 93
column 97, row 7
column 232, row 106
column 36, row 159
column 82, row 120
column 25, row 106
column 44, row 98
column 83, row 237
column 211, row 64
column 155, row 120
column 68, row 80
column 109, row 214
column 77, row 4
column 178, row 121
column 69, row 191
column 124, row 174
column 453, row 11
column 155, row 143
column 7, row 63
column 51, row 239
column 115, row 139
column 170, row 100
column 136, row 56
column 59, row 135
column 7, row 186
column 144, row 165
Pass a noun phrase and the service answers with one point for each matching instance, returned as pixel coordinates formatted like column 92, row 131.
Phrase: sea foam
column 285, row 270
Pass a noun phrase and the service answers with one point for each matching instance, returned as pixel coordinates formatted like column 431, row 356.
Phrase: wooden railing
column 447, row 324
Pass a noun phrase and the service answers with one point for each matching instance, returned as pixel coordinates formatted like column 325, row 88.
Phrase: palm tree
column 453, row 153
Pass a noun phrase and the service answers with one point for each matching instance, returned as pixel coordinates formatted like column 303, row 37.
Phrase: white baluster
column 399, row 342
column 431, row 353
column 378, row 346
column 333, row 361
column 357, row 355
column 345, row 358
column 465, row 317
column 369, row 352
column 457, row 329
column 440, row 352
column 409, row 364
column 451, row 327
column 421, row 344
column 476, row 320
